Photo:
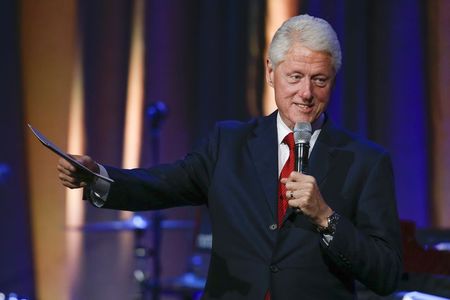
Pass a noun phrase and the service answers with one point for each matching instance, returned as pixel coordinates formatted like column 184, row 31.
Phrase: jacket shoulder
column 241, row 128
column 345, row 139
column 235, row 125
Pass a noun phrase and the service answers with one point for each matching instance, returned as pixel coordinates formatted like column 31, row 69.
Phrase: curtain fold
column 380, row 92
column 16, row 259
column 223, row 62
column 438, row 78
column 105, row 29
column 197, row 62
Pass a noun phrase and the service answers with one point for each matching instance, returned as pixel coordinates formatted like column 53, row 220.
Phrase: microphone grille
column 302, row 132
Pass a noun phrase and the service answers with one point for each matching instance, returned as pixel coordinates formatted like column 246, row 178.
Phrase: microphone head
column 157, row 113
column 302, row 132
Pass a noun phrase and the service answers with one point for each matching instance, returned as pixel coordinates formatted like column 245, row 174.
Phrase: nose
column 304, row 90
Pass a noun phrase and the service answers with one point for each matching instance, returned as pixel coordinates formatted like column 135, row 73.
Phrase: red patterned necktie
column 287, row 169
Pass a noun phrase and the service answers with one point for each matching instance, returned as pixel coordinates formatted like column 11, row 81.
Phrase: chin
column 304, row 119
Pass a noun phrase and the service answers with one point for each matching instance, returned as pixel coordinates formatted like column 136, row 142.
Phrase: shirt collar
column 283, row 129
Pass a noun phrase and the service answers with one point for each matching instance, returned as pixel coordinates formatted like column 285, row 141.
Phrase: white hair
column 313, row 33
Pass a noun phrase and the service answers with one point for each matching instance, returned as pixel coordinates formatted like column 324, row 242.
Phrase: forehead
column 300, row 56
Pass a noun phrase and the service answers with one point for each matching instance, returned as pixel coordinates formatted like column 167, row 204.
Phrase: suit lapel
column 320, row 161
column 263, row 149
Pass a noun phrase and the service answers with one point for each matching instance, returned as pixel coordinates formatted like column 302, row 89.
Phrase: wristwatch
column 332, row 221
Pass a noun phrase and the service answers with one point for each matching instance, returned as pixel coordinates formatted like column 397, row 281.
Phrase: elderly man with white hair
column 279, row 233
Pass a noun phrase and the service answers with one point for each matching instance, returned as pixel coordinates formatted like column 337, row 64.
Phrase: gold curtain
column 48, row 39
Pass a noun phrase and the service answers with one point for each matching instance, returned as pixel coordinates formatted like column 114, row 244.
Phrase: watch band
column 332, row 221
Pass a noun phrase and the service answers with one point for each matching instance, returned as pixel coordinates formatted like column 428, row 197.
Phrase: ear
column 269, row 72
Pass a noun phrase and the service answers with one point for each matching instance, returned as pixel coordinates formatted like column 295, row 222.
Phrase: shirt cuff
column 100, row 188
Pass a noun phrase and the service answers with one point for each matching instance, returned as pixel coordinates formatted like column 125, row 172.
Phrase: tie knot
column 289, row 140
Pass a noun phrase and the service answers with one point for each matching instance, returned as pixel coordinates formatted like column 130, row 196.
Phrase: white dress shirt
column 283, row 130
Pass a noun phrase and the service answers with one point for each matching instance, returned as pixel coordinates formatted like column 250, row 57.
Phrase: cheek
column 286, row 90
column 322, row 95
column 321, row 107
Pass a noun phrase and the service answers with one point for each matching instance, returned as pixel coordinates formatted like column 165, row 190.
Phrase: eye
column 295, row 77
column 320, row 81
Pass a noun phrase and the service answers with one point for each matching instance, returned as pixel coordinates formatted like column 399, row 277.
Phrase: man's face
column 302, row 83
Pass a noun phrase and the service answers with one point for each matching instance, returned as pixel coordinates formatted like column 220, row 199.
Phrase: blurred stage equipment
column 10, row 296
column 5, row 171
column 137, row 222
column 426, row 263
column 190, row 285
column 157, row 113
column 150, row 286
column 426, row 268
column 425, row 251
column 419, row 296
column 140, row 225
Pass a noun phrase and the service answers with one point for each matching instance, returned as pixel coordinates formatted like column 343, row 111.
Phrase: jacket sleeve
column 185, row 182
column 369, row 247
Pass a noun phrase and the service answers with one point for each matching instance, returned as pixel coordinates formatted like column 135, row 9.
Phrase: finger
column 73, row 184
column 75, row 178
column 290, row 194
column 306, row 184
column 297, row 177
column 66, row 165
column 68, row 178
column 295, row 204
column 88, row 162
column 292, row 176
column 83, row 184
column 62, row 169
column 306, row 178
column 294, row 185
column 69, row 184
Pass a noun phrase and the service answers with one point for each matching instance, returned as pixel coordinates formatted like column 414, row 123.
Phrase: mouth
column 304, row 106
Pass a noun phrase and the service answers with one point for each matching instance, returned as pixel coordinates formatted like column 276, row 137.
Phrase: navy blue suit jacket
column 235, row 173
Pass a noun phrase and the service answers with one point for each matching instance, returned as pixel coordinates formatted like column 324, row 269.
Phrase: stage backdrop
column 65, row 67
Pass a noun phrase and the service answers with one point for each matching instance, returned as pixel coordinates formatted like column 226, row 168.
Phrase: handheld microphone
column 302, row 136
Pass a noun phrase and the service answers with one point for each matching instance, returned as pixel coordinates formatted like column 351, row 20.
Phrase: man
column 341, row 224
